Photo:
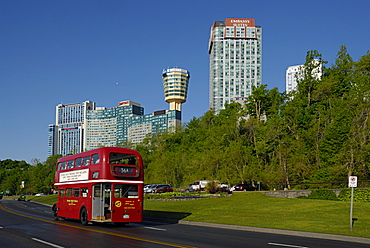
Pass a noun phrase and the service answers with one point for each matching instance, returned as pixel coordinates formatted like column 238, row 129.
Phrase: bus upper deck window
column 95, row 159
column 70, row 164
column 85, row 161
column 132, row 161
column 119, row 158
column 62, row 166
column 79, row 162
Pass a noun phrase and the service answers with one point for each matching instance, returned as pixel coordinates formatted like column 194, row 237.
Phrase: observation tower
column 175, row 86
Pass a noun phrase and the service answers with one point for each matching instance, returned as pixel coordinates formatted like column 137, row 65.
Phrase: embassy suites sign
column 240, row 22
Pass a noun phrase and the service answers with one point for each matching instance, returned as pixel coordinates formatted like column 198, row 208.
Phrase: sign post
column 352, row 183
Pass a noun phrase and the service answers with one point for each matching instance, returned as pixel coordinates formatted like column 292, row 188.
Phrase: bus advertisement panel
column 101, row 185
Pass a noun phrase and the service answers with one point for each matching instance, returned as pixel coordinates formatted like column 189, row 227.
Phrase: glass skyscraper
column 84, row 126
column 108, row 127
column 146, row 125
column 235, row 48
column 66, row 136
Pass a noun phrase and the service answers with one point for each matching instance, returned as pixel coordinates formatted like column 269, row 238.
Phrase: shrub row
column 360, row 195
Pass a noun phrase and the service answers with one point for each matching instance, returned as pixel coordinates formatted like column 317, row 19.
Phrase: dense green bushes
column 212, row 187
column 359, row 195
column 322, row 194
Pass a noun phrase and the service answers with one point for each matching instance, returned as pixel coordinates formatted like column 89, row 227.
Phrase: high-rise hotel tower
column 235, row 48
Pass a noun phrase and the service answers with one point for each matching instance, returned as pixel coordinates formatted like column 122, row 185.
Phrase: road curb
column 280, row 232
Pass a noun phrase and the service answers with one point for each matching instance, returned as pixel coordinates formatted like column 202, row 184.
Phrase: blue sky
column 70, row 51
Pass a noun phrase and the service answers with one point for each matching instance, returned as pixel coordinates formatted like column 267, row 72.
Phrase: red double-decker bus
column 101, row 185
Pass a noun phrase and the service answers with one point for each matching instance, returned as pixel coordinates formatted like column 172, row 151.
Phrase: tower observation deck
column 175, row 86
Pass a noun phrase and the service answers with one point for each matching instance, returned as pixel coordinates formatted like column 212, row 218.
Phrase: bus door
column 101, row 203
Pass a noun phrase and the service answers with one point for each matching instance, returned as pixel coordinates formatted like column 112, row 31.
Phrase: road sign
column 352, row 182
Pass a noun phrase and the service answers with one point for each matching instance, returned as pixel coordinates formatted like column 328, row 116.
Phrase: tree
column 264, row 102
column 309, row 77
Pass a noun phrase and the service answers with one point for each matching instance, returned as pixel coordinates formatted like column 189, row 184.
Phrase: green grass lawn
column 258, row 210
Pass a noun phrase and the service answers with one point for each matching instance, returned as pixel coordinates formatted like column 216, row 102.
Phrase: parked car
column 149, row 188
column 152, row 188
column 201, row 185
column 163, row 189
column 244, row 187
column 146, row 187
column 224, row 187
column 188, row 188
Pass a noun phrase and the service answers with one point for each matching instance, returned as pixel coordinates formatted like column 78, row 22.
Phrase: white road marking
column 154, row 228
column 285, row 245
column 47, row 243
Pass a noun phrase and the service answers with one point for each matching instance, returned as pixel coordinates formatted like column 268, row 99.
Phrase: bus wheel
column 83, row 216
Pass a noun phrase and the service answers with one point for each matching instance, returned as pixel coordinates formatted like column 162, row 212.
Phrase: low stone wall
column 288, row 193
column 294, row 193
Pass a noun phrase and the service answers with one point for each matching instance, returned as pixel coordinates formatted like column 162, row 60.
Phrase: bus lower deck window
column 126, row 191
column 84, row 192
column 76, row 192
column 69, row 192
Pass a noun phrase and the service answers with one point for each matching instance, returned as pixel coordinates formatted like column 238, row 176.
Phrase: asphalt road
column 30, row 224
